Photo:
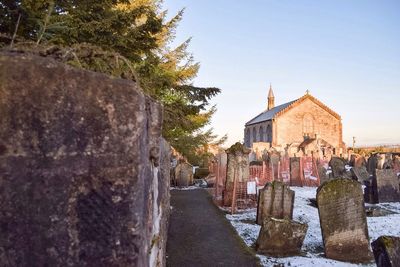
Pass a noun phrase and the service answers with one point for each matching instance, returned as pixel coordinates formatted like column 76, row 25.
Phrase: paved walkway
column 199, row 234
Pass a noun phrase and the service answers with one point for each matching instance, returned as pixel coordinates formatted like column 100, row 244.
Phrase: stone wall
column 84, row 173
column 289, row 125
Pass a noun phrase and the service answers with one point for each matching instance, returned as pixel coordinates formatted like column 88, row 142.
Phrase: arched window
column 254, row 134
column 261, row 134
column 247, row 138
column 269, row 134
column 308, row 125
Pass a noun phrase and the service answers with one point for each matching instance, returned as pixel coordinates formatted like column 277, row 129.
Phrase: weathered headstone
column 360, row 173
column 357, row 160
column 295, row 176
column 372, row 164
column 281, row 237
column 387, row 251
column 275, row 200
column 183, row 174
column 343, row 220
column 387, row 186
column 338, row 166
column 83, row 170
column 237, row 168
column 323, row 177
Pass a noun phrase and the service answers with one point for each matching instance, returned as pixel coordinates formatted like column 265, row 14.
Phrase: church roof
column 278, row 110
column 269, row 114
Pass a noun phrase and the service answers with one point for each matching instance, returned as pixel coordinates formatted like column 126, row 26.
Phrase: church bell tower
column 271, row 98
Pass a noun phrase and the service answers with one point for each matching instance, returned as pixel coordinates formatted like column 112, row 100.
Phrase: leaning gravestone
column 83, row 171
column 343, row 220
column 387, row 186
column 338, row 167
column 387, row 251
column 275, row 200
column 360, row 173
column 279, row 238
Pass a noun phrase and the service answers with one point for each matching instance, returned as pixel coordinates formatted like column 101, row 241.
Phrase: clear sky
column 346, row 52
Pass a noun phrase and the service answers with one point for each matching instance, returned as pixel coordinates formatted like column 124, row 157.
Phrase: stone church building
column 301, row 126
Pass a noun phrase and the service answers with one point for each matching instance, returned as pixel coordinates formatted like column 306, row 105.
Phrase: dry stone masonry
column 84, row 172
column 275, row 200
column 343, row 220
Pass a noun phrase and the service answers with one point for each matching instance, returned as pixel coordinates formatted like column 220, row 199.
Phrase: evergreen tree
column 127, row 39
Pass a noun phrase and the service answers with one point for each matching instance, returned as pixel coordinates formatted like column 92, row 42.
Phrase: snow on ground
column 313, row 250
column 192, row 187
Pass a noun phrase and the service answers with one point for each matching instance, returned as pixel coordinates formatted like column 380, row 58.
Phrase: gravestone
column 387, row 186
column 295, row 176
column 183, row 174
column 237, row 168
column 360, row 173
column 323, row 177
column 338, row 167
column 372, row 164
column 357, row 160
column 281, row 237
column 275, row 200
column 343, row 221
column 83, row 171
column 387, row 251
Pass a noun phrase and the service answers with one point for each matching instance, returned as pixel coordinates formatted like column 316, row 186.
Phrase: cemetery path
column 200, row 235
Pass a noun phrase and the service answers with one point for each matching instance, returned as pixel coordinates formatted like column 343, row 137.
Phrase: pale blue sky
column 346, row 52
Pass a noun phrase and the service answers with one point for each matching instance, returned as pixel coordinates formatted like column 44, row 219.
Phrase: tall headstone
column 275, row 200
column 295, row 175
column 237, row 168
column 343, row 220
column 322, row 173
column 83, row 171
column 387, row 186
column 338, row 166
column 387, row 251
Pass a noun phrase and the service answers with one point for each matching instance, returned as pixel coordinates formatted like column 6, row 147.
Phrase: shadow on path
column 200, row 235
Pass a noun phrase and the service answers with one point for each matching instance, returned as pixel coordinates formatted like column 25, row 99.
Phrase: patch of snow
column 313, row 250
column 192, row 187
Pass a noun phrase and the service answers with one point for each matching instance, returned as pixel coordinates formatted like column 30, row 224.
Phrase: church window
column 248, row 138
column 261, row 134
column 308, row 125
column 269, row 134
column 254, row 134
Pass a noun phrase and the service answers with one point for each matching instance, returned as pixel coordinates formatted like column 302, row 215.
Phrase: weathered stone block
column 343, row 220
column 275, row 200
column 280, row 238
column 387, row 251
column 80, row 180
column 387, row 186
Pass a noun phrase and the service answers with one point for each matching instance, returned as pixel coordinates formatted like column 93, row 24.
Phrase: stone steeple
column 271, row 98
